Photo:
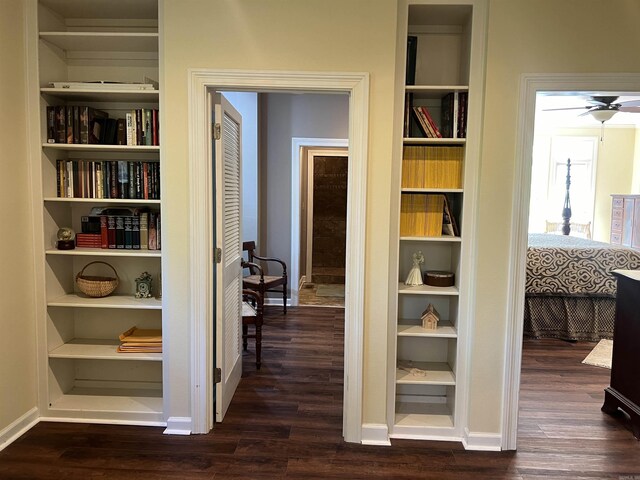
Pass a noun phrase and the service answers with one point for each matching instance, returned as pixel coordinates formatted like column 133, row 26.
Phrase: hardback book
column 412, row 49
column 158, row 233
column 144, row 230
column 121, row 132
column 148, row 126
column 99, row 180
column 447, row 115
column 129, row 128
column 104, row 235
column 156, row 127
column 423, row 123
column 153, row 239
column 139, row 126
column 61, row 124
column 123, row 179
column 51, row 124
column 119, row 231
column 92, row 123
column 69, row 125
column 76, row 124
column 111, row 231
column 113, row 180
column 132, row 184
column 135, row 232
column 128, row 232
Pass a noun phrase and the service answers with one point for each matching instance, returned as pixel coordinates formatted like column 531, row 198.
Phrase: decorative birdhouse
column 430, row 318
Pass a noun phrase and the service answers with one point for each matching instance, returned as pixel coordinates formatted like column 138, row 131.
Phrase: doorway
column 531, row 85
column 202, row 84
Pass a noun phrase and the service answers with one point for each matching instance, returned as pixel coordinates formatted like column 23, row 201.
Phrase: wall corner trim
column 488, row 442
column 178, row 426
column 375, row 434
column 15, row 429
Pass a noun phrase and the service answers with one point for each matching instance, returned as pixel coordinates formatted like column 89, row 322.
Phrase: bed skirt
column 587, row 317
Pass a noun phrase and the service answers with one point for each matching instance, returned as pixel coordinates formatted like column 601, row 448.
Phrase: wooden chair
column 257, row 280
column 252, row 314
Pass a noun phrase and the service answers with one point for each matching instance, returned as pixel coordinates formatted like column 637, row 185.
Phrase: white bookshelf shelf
column 98, row 95
column 426, row 290
column 106, row 252
column 444, row 330
column 103, row 41
column 436, row 90
column 112, row 301
column 423, row 415
column 96, row 349
column 101, row 148
column 437, row 374
column 113, row 201
column 434, row 141
column 432, row 190
column 443, row 238
column 136, row 401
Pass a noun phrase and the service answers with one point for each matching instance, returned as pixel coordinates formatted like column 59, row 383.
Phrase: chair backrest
column 250, row 248
column 582, row 228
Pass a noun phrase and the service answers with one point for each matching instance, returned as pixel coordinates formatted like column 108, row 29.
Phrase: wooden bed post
column 566, row 210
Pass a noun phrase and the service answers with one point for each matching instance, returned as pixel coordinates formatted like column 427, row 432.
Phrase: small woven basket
column 97, row 286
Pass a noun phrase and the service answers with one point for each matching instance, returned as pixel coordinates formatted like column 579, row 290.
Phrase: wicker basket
column 97, row 286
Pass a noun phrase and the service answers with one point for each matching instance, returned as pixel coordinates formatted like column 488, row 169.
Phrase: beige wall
column 526, row 36
column 278, row 35
column 289, row 116
column 635, row 184
column 17, row 318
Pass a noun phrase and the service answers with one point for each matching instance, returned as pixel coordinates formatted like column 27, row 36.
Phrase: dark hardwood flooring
column 286, row 420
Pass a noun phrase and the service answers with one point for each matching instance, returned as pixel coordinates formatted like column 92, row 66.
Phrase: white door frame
column 530, row 85
column 297, row 146
column 201, row 82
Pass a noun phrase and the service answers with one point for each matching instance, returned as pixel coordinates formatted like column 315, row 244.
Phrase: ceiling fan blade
column 568, row 108
column 630, row 103
column 629, row 109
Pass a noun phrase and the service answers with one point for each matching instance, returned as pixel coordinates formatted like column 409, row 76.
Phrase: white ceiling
column 572, row 118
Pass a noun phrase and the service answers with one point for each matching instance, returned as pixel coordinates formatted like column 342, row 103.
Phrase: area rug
column 330, row 291
column 600, row 356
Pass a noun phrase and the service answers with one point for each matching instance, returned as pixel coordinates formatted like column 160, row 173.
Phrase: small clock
column 143, row 285
column 66, row 239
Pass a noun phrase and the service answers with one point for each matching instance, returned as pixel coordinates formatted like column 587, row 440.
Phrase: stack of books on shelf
column 427, row 215
column 81, row 124
column 136, row 340
column 108, row 179
column 426, row 122
column 454, row 117
column 425, row 166
column 120, row 228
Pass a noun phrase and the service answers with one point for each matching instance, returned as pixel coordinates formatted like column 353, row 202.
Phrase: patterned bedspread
column 559, row 264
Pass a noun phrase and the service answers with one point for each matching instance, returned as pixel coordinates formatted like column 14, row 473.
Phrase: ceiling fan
column 603, row 107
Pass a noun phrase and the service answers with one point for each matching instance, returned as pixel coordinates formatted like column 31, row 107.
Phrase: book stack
column 122, row 228
column 426, row 122
column 108, row 179
column 88, row 240
column 454, row 115
column 421, row 215
column 81, row 124
column 425, row 166
column 136, row 340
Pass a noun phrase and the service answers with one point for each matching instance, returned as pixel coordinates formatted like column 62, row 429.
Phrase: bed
column 570, row 291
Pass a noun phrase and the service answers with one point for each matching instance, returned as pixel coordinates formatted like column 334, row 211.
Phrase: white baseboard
column 375, row 434
column 276, row 301
column 178, row 426
column 491, row 442
column 13, row 431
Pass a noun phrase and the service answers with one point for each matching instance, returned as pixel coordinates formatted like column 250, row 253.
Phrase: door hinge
column 216, row 131
column 217, row 255
column 217, row 375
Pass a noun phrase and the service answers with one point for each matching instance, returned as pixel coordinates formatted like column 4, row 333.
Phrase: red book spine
column 104, row 232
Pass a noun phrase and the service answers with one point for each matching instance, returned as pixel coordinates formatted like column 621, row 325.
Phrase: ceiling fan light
column 603, row 115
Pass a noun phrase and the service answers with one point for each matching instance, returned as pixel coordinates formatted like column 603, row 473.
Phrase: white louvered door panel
column 228, row 238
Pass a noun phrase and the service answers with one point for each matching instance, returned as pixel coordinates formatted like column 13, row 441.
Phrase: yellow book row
column 427, row 166
column 421, row 215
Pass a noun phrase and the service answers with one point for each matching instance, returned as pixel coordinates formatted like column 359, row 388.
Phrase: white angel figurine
column 415, row 274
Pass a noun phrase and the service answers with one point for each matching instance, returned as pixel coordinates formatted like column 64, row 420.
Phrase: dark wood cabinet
column 625, row 220
column 623, row 394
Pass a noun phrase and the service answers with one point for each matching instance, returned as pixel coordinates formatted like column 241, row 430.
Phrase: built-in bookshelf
column 428, row 376
column 99, row 158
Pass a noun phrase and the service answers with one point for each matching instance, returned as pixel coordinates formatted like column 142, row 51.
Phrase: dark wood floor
column 285, row 422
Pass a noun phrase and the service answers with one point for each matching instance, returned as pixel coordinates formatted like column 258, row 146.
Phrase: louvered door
column 228, row 236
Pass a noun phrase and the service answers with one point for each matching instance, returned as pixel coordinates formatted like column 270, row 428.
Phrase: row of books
column 108, row 179
column 120, row 228
column 429, row 166
column 454, row 114
column 137, row 340
column 426, row 123
column 427, row 215
column 77, row 124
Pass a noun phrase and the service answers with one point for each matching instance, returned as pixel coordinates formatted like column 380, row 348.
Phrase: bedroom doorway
column 531, row 86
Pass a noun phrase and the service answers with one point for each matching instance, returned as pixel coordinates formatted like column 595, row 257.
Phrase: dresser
column 623, row 393
column 625, row 220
